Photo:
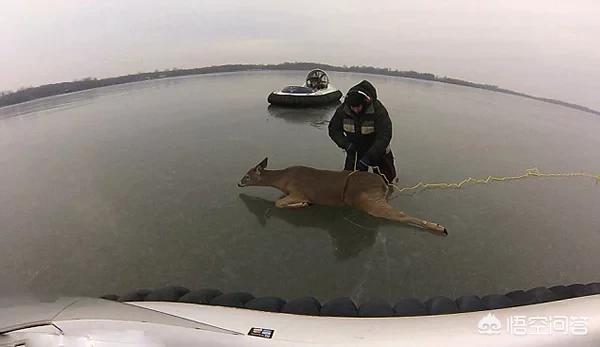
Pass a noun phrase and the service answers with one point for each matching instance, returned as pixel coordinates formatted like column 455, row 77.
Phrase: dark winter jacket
column 370, row 131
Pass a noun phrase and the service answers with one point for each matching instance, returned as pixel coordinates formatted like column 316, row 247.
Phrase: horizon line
column 21, row 95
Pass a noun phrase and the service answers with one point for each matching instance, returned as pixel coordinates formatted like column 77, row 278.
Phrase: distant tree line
column 31, row 93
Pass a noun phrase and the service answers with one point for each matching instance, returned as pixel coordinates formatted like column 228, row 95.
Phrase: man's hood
column 367, row 88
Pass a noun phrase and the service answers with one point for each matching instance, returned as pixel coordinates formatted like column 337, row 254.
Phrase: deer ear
column 263, row 164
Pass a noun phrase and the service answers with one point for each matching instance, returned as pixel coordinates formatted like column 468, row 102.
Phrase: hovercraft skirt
column 304, row 100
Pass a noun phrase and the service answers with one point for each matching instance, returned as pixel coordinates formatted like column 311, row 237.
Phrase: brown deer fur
column 303, row 186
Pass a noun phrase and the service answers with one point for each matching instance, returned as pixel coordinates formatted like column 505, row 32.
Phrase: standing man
column 362, row 127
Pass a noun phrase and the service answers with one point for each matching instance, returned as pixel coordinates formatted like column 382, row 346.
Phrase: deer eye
column 246, row 177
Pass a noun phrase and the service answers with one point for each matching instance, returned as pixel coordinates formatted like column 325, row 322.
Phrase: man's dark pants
column 385, row 164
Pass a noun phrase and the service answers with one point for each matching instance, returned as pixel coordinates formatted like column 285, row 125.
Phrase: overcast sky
column 548, row 48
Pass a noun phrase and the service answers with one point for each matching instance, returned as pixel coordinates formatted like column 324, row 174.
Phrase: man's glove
column 361, row 165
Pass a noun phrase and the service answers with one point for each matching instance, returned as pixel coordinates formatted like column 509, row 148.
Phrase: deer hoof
column 440, row 229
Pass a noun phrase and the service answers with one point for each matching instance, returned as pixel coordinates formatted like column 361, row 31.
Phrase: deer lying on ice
column 303, row 186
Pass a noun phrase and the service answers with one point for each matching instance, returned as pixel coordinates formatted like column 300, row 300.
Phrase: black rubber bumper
column 345, row 307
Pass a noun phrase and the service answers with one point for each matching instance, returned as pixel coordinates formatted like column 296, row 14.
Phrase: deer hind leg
column 381, row 209
column 292, row 201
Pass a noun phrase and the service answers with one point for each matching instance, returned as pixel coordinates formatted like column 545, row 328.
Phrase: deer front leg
column 291, row 201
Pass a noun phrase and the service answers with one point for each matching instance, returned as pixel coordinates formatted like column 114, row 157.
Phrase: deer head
column 254, row 176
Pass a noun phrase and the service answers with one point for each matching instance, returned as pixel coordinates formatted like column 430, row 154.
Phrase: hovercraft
column 317, row 91
column 176, row 316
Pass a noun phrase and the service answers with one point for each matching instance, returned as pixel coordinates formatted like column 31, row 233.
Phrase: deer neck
column 274, row 178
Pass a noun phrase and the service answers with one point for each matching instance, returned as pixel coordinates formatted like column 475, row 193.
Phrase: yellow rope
column 533, row 172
